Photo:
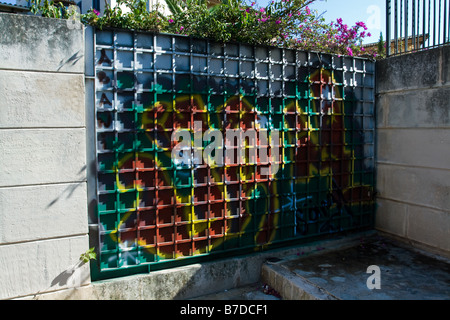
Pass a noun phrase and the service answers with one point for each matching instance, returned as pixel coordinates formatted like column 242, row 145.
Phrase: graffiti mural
column 205, row 148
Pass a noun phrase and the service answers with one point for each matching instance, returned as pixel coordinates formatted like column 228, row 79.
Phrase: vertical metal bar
column 429, row 23
column 406, row 24
column 424, row 24
column 445, row 21
column 448, row 21
column 396, row 26
column 448, row 27
column 400, row 25
column 418, row 26
column 413, row 22
column 439, row 25
column 388, row 28
column 448, row 30
column 434, row 23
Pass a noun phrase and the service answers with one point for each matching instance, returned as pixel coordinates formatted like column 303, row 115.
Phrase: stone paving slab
column 404, row 273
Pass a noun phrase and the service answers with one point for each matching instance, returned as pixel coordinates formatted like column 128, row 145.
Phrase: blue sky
column 372, row 12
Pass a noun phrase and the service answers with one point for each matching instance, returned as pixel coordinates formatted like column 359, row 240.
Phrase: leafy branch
column 50, row 9
column 88, row 255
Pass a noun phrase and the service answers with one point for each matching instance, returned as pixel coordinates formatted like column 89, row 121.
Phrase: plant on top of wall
column 50, row 9
column 285, row 23
column 137, row 18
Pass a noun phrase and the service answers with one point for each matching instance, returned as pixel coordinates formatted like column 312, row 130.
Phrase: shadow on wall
column 70, row 189
column 73, row 277
column 72, row 60
column 70, row 277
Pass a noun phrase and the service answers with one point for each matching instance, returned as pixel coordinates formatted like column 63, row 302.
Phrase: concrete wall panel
column 431, row 227
column 413, row 71
column 40, row 44
column 39, row 156
column 42, row 266
column 391, row 217
column 414, row 185
column 44, row 211
column 413, row 147
column 27, row 101
column 427, row 108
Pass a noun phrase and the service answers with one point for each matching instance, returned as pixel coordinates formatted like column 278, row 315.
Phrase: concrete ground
column 405, row 273
column 400, row 272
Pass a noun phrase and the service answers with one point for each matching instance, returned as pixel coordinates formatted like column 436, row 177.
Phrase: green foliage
column 174, row 6
column 49, row 9
column 285, row 23
column 138, row 17
column 88, row 255
column 233, row 20
column 381, row 46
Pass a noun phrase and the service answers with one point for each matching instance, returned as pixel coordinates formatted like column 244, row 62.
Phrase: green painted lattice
column 153, row 211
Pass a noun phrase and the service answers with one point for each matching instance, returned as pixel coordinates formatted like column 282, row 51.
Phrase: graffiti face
column 194, row 163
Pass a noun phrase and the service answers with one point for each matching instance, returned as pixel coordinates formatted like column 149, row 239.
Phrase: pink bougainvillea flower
column 361, row 24
column 278, row 21
column 181, row 28
column 308, row 11
column 96, row 12
column 350, row 51
column 170, row 20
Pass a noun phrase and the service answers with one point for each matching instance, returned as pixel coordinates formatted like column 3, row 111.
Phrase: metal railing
column 414, row 25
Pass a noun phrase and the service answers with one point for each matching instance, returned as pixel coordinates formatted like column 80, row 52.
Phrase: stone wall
column 413, row 126
column 43, row 205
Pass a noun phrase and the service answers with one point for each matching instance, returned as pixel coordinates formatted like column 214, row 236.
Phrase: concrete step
column 253, row 264
column 405, row 273
column 256, row 291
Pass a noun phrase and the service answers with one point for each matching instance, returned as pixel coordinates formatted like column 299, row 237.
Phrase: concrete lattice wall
column 413, row 125
column 43, row 205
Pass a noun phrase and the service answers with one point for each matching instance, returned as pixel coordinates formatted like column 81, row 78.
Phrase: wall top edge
column 210, row 40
